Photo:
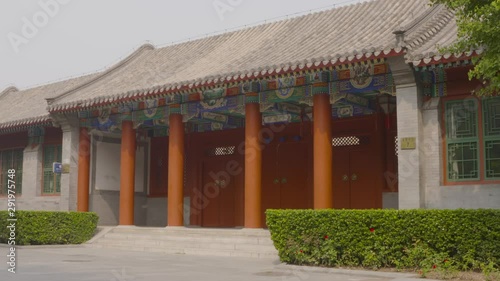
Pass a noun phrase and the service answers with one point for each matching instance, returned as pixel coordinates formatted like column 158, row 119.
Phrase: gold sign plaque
column 408, row 143
column 65, row 168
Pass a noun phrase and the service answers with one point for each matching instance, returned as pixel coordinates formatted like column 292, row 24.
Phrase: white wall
column 107, row 171
column 105, row 179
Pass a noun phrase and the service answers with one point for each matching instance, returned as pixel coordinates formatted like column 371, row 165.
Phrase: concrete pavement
column 81, row 263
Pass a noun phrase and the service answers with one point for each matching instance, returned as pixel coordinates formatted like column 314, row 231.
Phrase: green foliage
column 407, row 239
column 47, row 228
column 478, row 27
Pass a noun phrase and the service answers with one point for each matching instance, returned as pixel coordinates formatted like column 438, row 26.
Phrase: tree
column 478, row 24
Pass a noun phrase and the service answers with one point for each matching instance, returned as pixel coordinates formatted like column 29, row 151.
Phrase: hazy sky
column 44, row 41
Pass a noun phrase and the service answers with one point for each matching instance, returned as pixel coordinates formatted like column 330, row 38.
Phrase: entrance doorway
column 286, row 173
column 222, row 190
column 358, row 164
column 354, row 176
column 215, row 178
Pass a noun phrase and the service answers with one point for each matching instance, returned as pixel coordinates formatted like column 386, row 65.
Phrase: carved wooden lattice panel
column 221, row 151
column 350, row 141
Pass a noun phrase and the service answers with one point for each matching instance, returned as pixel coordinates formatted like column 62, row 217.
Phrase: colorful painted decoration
column 434, row 82
column 362, row 78
column 151, row 110
column 283, row 98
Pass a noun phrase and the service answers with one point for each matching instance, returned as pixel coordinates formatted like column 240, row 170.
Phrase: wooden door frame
column 373, row 127
column 199, row 143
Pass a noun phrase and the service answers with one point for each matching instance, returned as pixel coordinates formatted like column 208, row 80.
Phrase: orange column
column 83, row 171
column 176, row 171
column 253, row 166
column 323, row 191
column 127, row 174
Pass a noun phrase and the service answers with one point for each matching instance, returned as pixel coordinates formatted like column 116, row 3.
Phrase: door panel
column 356, row 173
column 292, row 171
column 220, row 193
column 364, row 191
column 270, row 189
column 158, row 177
column 284, row 176
column 341, row 184
column 210, row 214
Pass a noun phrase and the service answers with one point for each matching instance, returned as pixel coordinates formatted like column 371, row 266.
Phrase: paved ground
column 80, row 263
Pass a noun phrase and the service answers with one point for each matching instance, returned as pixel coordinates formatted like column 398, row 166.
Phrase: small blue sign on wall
column 57, row 168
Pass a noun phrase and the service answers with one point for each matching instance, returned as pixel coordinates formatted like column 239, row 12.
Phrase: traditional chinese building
column 353, row 107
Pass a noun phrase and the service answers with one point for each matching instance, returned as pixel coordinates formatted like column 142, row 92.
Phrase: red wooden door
column 158, row 178
column 341, row 182
column 220, row 193
column 284, row 176
column 271, row 190
column 356, row 176
column 292, row 174
column 365, row 191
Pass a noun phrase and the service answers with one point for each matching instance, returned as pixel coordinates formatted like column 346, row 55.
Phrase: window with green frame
column 491, row 121
column 51, row 181
column 11, row 159
column 465, row 139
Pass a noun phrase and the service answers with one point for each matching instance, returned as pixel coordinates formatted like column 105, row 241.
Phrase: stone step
column 186, row 231
column 190, row 241
column 182, row 238
column 192, row 251
column 187, row 245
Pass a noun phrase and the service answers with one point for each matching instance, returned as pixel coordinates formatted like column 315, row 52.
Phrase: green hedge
column 46, row 228
column 416, row 239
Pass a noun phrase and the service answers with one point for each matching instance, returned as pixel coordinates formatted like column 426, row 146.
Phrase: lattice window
column 463, row 161
column 346, row 141
column 349, row 141
column 221, row 151
column 492, row 155
column 11, row 159
column 396, row 145
column 491, row 111
column 461, row 119
column 51, row 181
column 472, row 151
column 491, row 116
column 462, row 141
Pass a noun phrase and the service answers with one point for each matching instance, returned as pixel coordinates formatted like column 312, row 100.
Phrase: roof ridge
column 429, row 28
column 422, row 18
column 271, row 21
column 8, row 90
column 121, row 63
column 430, row 23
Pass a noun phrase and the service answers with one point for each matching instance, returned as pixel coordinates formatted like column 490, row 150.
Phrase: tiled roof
column 361, row 31
column 25, row 107
column 335, row 36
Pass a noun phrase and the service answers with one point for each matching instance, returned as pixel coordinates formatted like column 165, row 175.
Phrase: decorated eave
column 432, row 71
column 446, row 61
column 25, row 124
column 228, row 80
column 285, row 97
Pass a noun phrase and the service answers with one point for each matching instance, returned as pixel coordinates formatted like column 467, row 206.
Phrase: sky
column 44, row 41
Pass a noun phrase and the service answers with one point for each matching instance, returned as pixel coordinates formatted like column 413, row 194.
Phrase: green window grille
column 51, row 181
column 11, row 159
column 491, row 117
column 462, row 141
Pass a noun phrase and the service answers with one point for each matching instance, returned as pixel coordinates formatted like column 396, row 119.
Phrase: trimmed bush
column 46, row 228
column 410, row 239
